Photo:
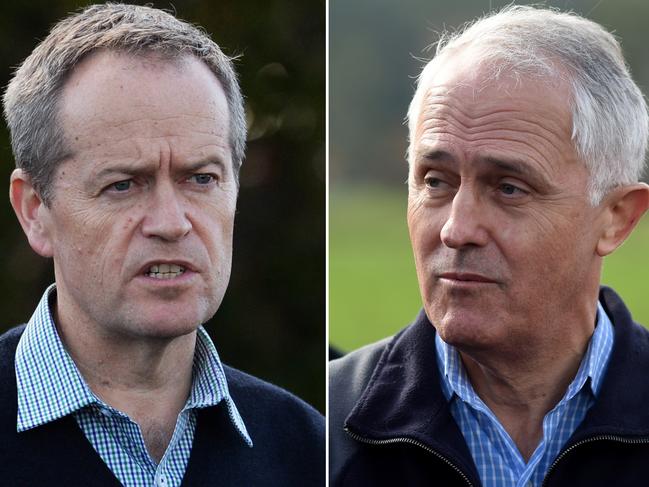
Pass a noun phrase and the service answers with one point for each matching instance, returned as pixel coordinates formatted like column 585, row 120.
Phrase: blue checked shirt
column 496, row 456
column 50, row 387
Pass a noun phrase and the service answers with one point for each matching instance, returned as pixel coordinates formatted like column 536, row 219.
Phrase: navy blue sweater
column 288, row 438
column 390, row 424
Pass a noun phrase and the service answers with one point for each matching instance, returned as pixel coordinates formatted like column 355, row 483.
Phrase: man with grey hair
column 527, row 143
column 128, row 131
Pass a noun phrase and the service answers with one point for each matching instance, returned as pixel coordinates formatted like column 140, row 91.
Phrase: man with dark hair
column 128, row 131
column 527, row 143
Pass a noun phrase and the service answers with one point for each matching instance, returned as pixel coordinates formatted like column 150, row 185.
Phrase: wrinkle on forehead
column 511, row 115
column 160, row 88
column 115, row 107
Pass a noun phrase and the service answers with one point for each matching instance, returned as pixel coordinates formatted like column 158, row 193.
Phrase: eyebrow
column 509, row 165
column 513, row 166
column 143, row 169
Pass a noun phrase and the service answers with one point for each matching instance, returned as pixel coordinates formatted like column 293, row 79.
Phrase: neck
column 147, row 372
column 149, row 379
column 520, row 389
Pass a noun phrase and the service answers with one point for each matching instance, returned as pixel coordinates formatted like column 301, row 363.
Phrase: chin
column 165, row 322
column 466, row 329
column 172, row 318
column 174, row 330
column 161, row 329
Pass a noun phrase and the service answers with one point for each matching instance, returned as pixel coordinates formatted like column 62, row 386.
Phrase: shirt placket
column 172, row 465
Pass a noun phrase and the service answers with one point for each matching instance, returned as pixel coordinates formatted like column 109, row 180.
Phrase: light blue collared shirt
column 51, row 387
column 498, row 460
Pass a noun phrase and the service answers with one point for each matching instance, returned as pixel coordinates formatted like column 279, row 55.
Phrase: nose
column 166, row 216
column 466, row 224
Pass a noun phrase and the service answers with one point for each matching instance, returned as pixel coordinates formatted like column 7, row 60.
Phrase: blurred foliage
column 373, row 289
column 271, row 323
column 377, row 48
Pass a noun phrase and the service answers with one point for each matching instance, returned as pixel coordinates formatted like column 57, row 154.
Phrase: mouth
column 165, row 271
column 465, row 277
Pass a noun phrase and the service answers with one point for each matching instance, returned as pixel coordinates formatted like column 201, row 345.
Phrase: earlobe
column 625, row 208
column 32, row 213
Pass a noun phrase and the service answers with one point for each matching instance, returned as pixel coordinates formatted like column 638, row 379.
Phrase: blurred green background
column 271, row 323
column 376, row 51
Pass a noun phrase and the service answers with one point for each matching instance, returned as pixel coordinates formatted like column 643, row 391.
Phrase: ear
column 624, row 208
column 32, row 213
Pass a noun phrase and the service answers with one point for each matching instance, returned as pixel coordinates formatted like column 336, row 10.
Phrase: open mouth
column 165, row 271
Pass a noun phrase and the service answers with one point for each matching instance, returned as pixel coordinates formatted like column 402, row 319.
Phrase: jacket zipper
column 410, row 441
column 619, row 439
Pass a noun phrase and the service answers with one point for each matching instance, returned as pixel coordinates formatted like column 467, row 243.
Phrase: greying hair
column 609, row 113
column 32, row 96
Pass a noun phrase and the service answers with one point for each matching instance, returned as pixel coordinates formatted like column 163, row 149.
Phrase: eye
column 202, row 179
column 508, row 189
column 121, row 186
column 433, row 182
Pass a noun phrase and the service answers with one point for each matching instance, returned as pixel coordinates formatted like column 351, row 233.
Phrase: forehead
column 109, row 92
column 474, row 110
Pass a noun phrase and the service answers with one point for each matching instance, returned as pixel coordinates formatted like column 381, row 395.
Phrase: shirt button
column 161, row 481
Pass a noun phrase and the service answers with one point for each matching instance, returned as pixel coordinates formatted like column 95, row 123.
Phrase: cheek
column 555, row 236
column 548, row 254
column 95, row 247
column 518, row 244
column 215, row 227
column 424, row 225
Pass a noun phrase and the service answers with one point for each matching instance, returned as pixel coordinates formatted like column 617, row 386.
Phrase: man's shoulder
column 282, row 426
column 630, row 335
column 256, row 398
column 348, row 378
column 350, row 373
column 8, row 405
column 9, row 339
column 8, row 343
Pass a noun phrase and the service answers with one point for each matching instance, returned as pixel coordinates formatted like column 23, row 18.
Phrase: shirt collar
column 209, row 384
column 51, row 387
column 593, row 365
column 49, row 383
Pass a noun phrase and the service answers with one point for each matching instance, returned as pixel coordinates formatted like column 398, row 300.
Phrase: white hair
column 609, row 113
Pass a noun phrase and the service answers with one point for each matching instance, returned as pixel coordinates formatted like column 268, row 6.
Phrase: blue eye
column 203, row 178
column 511, row 190
column 122, row 185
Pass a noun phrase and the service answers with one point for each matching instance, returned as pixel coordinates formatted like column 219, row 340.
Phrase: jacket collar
column 404, row 399
column 621, row 407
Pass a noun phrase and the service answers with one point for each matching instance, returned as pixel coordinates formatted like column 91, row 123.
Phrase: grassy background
column 373, row 289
